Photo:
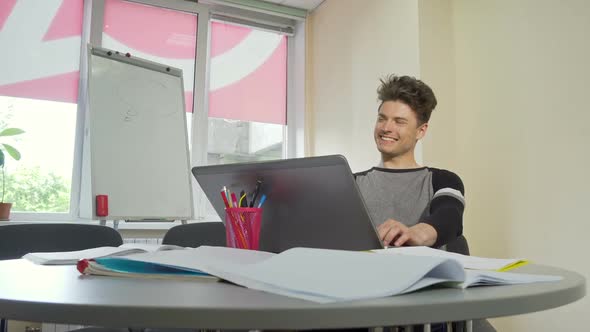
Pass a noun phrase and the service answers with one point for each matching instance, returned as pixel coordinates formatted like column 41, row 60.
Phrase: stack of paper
column 324, row 276
column 72, row 257
column 491, row 278
column 468, row 262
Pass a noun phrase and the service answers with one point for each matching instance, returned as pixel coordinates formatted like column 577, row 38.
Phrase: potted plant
column 6, row 149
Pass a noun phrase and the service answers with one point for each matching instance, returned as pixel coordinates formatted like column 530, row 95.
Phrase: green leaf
column 12, row 151
column 1, row 158
column 11, row 132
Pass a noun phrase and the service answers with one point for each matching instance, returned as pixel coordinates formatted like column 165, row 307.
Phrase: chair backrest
column 459, row 245
column 196, row 234
column 17, row 240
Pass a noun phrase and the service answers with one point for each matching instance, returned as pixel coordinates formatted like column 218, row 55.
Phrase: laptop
column 310, row 202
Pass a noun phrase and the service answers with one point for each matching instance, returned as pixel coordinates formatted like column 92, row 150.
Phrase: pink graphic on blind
column 162, row 33
column 247, row 66
column 44, row 42
column 67, row 22
column 248, row 78
column 5, row 9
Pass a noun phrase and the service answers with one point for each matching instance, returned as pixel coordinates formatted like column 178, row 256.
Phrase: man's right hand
column 393, row 232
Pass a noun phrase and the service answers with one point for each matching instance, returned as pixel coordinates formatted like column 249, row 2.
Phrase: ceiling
column 308, row 5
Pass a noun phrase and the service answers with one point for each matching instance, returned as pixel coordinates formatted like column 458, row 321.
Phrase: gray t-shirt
column 429, row 195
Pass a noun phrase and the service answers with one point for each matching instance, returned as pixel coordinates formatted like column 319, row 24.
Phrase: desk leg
column 469, row 326
column 426, row 328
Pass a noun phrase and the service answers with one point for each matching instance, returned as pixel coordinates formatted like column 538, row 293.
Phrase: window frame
column 294, row 130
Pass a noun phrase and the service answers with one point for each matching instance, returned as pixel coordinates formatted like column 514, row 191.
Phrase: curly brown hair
column 410, row 91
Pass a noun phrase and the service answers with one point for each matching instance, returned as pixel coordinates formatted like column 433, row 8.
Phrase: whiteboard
column 136, row 140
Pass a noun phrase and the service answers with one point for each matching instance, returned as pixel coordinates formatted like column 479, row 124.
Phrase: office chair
column 459, row 246
column 17, row 240
column 193, row 235
column 196, row 234
column 20, row 239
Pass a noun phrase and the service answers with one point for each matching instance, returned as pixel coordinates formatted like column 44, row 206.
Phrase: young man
column 410, row 205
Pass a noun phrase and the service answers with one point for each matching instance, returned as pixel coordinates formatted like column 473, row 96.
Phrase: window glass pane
column 232, row 141
column 38, row 93
column 248, row 94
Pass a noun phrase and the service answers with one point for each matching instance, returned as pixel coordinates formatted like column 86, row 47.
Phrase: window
column 247, row 94
column 235, row 79
column 39, row 94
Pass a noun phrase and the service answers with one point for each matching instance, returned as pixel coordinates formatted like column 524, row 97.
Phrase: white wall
column 511, row 80
column 351, row 44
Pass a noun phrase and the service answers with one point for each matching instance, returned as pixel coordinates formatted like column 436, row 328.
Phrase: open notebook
column 468, row 262
column 319, row 275
column 72, row 257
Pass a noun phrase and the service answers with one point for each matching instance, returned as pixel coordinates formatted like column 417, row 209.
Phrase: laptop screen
column 310, row 202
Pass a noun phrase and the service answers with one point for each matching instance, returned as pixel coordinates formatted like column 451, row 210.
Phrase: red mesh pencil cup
column 242, row 227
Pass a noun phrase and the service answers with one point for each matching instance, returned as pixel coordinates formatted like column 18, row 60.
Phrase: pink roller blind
column 248, row 67
column 248, row 75
column 40, row 49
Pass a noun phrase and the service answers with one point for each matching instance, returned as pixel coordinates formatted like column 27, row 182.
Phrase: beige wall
column 437, row 68
column 522, row 71
column 511, row 79
column 351, row 44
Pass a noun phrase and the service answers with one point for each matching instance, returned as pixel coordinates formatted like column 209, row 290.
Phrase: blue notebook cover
column 115, row 265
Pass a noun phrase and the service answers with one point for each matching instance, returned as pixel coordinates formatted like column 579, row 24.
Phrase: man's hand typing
column 393, row 232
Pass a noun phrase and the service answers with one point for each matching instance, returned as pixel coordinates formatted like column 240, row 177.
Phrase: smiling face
column 397, row 131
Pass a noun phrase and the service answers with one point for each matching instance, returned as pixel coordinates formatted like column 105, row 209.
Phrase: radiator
column 51, row 327
column 154, row 240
